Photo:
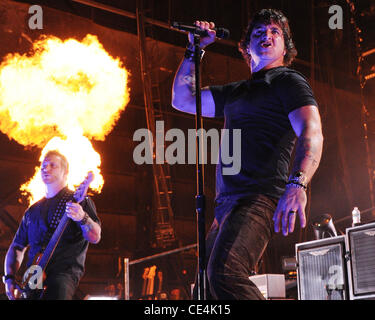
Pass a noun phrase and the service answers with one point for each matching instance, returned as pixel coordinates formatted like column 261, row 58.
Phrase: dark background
column 328, row 58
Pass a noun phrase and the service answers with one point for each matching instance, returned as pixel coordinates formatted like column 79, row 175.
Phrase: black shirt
column 70, row 253
column 259, row 107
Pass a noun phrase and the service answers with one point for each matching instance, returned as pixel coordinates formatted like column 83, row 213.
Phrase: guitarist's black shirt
column 70, row 254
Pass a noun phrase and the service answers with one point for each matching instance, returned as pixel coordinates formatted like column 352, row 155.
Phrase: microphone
column 221, row 33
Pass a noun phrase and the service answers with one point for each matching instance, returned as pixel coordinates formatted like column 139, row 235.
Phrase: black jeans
column 60, row 287
column 235, row 246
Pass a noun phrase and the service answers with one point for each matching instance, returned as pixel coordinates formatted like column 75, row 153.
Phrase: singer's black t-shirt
column 259, row 107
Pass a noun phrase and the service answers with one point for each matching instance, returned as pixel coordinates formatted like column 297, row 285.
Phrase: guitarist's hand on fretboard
column 74, row 211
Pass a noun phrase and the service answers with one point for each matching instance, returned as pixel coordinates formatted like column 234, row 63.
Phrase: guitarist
column 66, row 265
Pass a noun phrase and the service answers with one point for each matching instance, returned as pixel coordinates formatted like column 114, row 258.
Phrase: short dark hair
column 268, row 16
column 64, row 161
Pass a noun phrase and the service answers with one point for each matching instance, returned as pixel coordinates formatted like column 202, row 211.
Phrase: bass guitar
column 32, row 284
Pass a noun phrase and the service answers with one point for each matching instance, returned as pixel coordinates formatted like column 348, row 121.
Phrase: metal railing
column 128, row 263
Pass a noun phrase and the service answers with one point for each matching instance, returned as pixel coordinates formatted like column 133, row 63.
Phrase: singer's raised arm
column 183, row 91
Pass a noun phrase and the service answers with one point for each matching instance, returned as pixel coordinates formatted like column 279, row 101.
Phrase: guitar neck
column 78, row 197
column 53, row 242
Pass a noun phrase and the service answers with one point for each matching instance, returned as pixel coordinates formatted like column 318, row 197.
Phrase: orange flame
column 59, row 97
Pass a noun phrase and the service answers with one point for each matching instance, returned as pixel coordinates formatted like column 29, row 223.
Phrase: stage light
column 89, row 297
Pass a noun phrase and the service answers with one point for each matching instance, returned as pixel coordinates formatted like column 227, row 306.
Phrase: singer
column 275, row 110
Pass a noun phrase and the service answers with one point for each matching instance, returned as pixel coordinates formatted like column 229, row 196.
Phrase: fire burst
column 59, row 97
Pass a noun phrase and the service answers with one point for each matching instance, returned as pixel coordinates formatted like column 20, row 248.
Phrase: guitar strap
column 56, row 217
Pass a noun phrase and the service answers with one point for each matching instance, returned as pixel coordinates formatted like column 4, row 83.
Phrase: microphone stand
column 200, row 200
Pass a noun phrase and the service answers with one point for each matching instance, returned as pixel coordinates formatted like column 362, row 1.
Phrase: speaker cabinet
column 360, row 243
column 321, row 269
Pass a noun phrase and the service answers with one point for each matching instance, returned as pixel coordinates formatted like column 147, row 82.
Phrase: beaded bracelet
column 298, row 178
column 297, row 185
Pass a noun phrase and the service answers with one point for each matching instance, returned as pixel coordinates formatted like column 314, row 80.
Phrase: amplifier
column 321, row 269
column 360, row 242
column 272, row 286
